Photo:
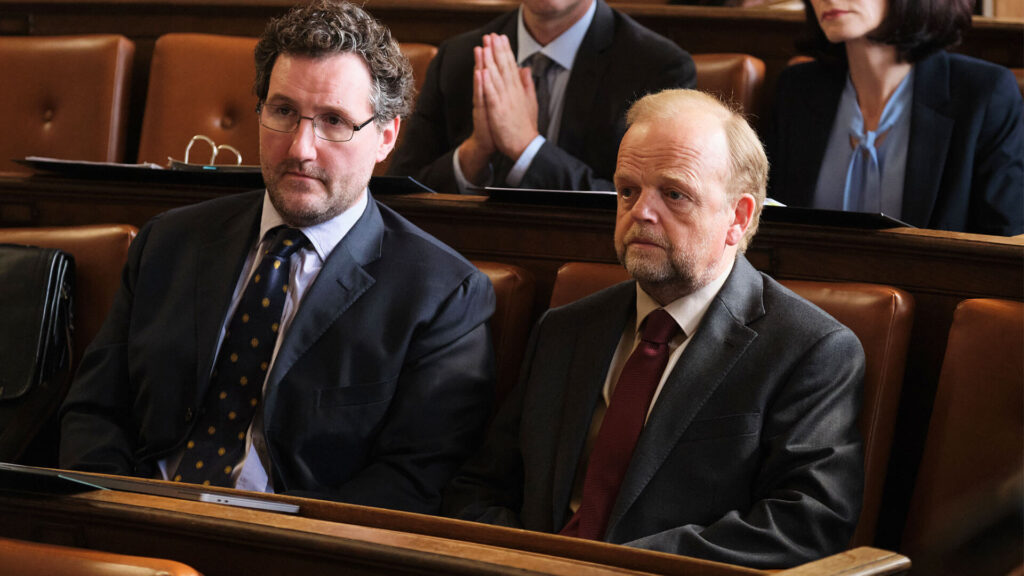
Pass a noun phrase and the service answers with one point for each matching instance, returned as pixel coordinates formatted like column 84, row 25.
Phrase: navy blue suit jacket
column 751, row 454
column 965, row 163
column 618, row 62
column 380, row 387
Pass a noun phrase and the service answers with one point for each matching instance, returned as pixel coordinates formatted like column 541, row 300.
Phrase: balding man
column 700, row 408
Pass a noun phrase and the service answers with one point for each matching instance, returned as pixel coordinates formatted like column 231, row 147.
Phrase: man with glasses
column 304, row 339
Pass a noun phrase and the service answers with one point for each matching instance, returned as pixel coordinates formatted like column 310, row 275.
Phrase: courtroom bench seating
column 100, row 252
column 22, row 558
column 880, row 316
column 64, row 97
column 967, row 502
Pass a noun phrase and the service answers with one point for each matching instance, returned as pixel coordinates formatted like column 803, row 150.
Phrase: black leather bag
column 36, row 324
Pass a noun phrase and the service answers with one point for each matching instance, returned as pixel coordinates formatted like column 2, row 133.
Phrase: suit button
column 189, row 414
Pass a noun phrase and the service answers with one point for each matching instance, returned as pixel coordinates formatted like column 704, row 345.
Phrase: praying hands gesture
column 504, row 108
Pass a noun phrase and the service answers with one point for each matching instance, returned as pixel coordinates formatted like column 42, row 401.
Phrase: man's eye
column 672, row 194
column 626, row 192
column 282, row 111
column 332, row 120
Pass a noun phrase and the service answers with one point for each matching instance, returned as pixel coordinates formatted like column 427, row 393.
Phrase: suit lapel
column 227, row 240
column 931, row 128
column 341, row 281
column 719, row 343
column 583, row 89
column 592, row 353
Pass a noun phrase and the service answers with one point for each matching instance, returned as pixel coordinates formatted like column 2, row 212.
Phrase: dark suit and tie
column 731, row 425
column 618, row 62
column 376, row 394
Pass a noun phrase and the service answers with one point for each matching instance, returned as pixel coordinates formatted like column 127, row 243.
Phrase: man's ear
column 742, row 216
column 388, row 138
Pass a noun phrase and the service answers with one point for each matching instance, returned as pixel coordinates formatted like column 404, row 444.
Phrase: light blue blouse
column 870, row 176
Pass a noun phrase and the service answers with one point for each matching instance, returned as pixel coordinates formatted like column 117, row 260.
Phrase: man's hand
column 508, row 91
column 475, row 152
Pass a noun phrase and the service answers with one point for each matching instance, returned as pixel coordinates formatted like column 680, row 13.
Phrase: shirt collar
column 562, row 49
column 687, row 311
column 323, row 237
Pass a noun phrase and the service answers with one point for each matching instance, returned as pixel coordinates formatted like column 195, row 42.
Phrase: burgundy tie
column 621, row 427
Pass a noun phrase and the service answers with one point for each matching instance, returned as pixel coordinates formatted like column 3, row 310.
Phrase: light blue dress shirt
column 867, row 176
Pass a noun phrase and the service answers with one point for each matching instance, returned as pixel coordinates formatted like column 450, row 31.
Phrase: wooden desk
column 938, row 268
column 328, row 537
column 763, row 32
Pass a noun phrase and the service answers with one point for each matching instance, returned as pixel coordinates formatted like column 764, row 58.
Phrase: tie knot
column 287, row 241
column 659, row 327
column 540, row 65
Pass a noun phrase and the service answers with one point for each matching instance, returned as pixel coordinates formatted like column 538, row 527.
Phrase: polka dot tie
column 217, row 443
column 621, row 427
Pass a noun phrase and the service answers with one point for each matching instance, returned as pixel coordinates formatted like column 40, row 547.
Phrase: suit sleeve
column 997, row 189
column 808, row 490
column 97, row 430
column 555, row 169
column 442, row 401
column 426, row 151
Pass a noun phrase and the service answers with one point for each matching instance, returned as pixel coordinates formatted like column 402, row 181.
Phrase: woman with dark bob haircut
column 885, row 120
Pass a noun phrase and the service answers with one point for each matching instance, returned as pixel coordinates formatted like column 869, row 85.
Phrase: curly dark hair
column 326, row 27
column 917, row 28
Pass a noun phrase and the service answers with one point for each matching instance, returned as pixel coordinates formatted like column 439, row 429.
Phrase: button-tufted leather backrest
column 64, row 97
column 200, row 84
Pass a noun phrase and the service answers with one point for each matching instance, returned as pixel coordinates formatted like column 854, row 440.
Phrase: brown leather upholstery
column 735, row 77
column 21, row 558
column 200, row 84
column 419, row 56
column 100, row 251
column 510, row 324
column 1019, row 74
column 64, row 97
column 880, row 316
column 975, row 441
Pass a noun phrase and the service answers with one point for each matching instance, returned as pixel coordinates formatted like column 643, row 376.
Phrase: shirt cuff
column 518, row 171
column 465, row 186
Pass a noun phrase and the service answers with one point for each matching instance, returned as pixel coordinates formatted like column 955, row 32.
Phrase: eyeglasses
column 330, row 127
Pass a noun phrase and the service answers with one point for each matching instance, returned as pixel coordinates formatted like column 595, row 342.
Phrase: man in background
column 536, row 99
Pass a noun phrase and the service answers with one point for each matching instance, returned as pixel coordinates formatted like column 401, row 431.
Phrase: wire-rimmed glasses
column 330, row 127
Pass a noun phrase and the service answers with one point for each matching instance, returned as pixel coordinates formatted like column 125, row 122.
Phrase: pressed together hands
column 504, row 108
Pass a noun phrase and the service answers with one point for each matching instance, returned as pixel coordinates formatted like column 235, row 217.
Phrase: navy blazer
column 965, row 163
column 618, row 62
column 380, row 387
column 750, row 456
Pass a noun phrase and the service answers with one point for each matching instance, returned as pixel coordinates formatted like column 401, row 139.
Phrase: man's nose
column 304, row 140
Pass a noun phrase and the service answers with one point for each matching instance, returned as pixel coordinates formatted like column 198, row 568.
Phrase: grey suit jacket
column 618, row 62
column 379, row 389
column 750, row 456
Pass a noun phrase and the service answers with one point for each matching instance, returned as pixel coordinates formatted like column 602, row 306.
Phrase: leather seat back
column 22, row 558
column 732, row 77
column 65, row 97
column 200, row 84
column 510, row 324
column 974, row 450
column 419, row 56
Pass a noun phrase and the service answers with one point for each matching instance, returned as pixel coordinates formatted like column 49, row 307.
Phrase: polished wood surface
column 326, row 537
column 762, row 32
